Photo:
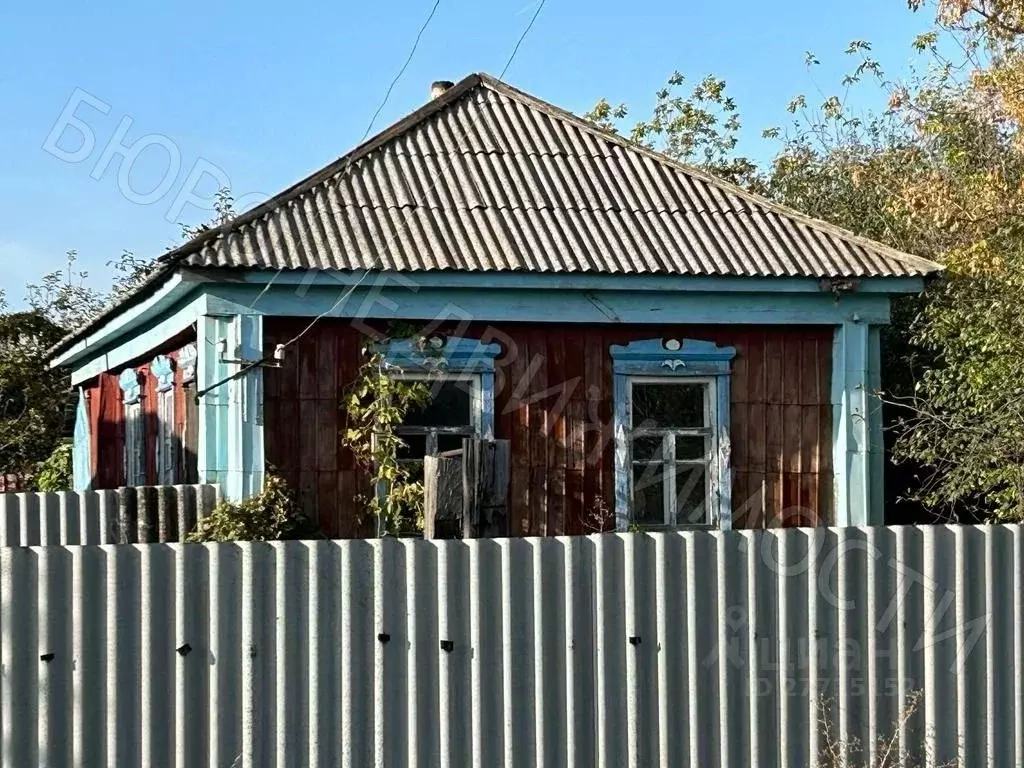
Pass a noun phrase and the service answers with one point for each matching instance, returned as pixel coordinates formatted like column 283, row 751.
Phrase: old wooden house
column 659, row 347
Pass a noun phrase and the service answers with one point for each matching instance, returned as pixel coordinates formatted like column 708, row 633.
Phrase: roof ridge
column 499, row 86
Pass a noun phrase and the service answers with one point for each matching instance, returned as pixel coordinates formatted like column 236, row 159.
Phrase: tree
column 938, row 172
column 33, row 397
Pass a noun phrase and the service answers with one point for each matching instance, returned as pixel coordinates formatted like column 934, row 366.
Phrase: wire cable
column 401, row 72
column 374, row 264
column 521, row 38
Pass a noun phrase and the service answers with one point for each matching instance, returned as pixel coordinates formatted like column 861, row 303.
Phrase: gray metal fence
column 122, row 516
column 698, row 649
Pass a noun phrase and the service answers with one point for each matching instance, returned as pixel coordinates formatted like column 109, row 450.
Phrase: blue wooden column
column 231, row 414
column 81, row 450
column 213, row 405
column 857, row 457
column 246, row 461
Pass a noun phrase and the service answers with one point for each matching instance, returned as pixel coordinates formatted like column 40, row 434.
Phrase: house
column 660, row 347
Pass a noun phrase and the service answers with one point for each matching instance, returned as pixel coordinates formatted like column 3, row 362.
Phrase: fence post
column 485, row 477
column 442, row 495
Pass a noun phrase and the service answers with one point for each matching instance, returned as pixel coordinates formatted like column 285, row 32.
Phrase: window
column 452, row 414
column 671, row 443
column 460, row 373
column 671, row 433
column 166, row 440
column 134, row 429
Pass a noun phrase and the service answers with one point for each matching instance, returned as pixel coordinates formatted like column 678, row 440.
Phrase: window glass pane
column 449, row 443
column 649, row 494
column 691, row 490
column 415, row 447
column 691, row 447
column 647, row 447
column 668, row 405
column 449, row 407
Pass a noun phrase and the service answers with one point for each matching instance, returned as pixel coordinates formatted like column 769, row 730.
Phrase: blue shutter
column 82, row 448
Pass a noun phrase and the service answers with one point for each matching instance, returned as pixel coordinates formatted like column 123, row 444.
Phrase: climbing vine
column 376, row 404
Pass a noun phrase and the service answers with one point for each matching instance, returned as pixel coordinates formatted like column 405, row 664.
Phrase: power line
column 401, row 72
column 433, row 180
column 521, row 38
column 374, row 265
column 246, row 367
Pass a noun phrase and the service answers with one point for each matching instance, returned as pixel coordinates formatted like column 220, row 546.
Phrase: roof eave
column 161, row 291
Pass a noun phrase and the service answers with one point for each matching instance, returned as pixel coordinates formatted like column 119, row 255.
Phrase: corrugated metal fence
column 122, row 516
column 674, row 649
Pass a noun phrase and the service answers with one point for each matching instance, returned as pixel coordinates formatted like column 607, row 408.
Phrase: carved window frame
column 134, row 428
column 674, row 360
column 162, row 369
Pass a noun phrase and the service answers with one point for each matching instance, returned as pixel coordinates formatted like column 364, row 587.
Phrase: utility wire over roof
column 487, row 178
column 525, row 186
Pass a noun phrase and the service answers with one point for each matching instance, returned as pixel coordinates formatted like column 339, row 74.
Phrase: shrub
column 270, row 515
column 55, row 473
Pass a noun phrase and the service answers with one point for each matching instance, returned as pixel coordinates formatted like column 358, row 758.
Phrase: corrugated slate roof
column 487, row 178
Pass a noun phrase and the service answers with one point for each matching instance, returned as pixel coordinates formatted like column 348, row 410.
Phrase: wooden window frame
column 476, row 407
column 670, row 516
column 671, row 361
column 134, row 428
column 167, row 449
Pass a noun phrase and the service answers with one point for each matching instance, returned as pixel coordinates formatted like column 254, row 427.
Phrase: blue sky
column 269, row 93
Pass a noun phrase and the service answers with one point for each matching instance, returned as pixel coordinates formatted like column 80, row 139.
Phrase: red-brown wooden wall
column 106, row 418
column 554, row 402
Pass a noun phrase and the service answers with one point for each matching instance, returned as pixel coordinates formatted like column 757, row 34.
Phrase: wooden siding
column 554, row 403
column 107, row 428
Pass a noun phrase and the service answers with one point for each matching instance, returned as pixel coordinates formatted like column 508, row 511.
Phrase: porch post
column 231, row 415
column 213, row 405
column 856, row 425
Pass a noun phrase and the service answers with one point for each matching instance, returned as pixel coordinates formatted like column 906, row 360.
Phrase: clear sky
column 268, row 93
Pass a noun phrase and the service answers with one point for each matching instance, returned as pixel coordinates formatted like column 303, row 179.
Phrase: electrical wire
column 521, row 38
column 246, row 367
column 374, row 264
column 401, row 72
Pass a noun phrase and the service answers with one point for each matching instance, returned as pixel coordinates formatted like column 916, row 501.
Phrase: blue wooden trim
column 213, row 406
column 657, row 357
column 562, row 306
column 164, row 298
column 673, row 358
column 876, row 450
column 162, row 368
column 456, row 354
column 141, row 343
column 577, row 281
column 724, row 461
column 486, row 406
column 130, row 386
column 81, row 451
column 247, row 455
column 851, row 415
column 620, row 405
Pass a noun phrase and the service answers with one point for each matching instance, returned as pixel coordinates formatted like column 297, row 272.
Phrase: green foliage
column 55, row 473
column 938, row 172
column 32, row 397
column 375, row 405
column 223, row 212
column 699, row 127
column 271, row 515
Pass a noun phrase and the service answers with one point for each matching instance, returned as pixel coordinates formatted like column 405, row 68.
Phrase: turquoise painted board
column 81, row 452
